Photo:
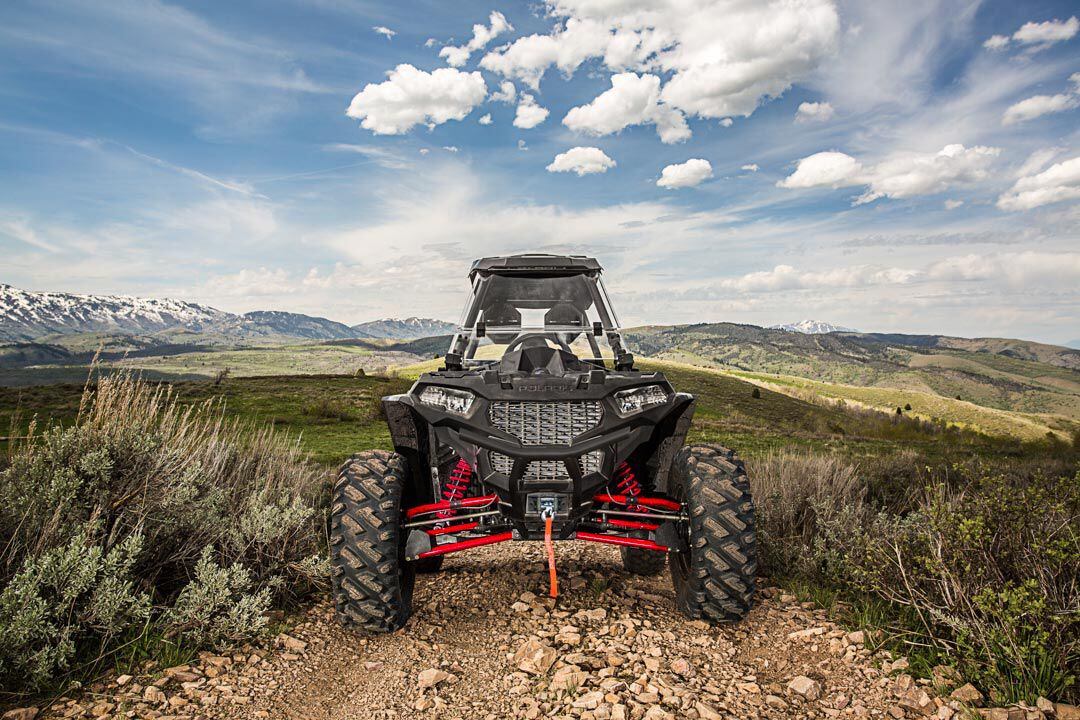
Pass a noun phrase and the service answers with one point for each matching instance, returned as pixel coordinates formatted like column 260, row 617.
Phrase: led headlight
column 453, row 401
column 635, row 400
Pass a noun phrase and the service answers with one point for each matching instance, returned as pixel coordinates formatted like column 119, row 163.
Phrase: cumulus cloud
column 900, row 175
column 485, row 119
column 953, row 204
column 688, row 174
column 581, row 160
column 482, row 35
column 1047, row 33
column 725, row 56
column 727, row 122
column 529, row 114
column 411, row 97
column 786, row 277
column 632, row 100
column 1059, row 182
column 383, row 30
column 752, row 167
column 814, row 112
column 1019, row 270
column 1036, row 35
column 824, row 169
column 506, row 93
column 1039, row 105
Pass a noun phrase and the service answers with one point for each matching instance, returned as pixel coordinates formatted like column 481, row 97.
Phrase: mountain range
column 28, row 316
column 812, row 327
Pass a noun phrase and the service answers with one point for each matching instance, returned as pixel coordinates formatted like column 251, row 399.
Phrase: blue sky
column 891, row 166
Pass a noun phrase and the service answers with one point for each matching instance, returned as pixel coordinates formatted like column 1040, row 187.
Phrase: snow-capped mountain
column 26, row 315
column 812, row 327
column 411, row 328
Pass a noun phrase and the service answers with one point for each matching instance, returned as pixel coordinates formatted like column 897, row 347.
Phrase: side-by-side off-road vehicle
column 539, row 427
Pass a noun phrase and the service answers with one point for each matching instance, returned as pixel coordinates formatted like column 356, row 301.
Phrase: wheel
column 429, row 565
column 372, row 582
column 714, row 573
column 642, row 562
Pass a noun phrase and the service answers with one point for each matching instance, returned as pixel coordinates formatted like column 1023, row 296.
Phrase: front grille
column 546, row 423
column 547, row 470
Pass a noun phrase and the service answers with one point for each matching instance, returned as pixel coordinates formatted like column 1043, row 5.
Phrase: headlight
column 453, row 401
column 633, row 401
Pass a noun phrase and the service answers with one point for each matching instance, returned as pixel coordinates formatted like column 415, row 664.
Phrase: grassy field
column 336, row 415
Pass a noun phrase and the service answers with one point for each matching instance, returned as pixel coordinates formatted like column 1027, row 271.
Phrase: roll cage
column 534, row 298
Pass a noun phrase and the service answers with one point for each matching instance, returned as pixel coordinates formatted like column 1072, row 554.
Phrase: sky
column 894, row 166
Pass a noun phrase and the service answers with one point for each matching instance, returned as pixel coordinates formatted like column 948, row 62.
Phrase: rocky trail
column 485, row 642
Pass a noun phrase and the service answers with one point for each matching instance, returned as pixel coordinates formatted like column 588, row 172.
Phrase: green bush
column 983, row 569
column 148, row 511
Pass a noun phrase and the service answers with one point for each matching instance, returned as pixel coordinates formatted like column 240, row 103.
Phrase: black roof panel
column 534, row 263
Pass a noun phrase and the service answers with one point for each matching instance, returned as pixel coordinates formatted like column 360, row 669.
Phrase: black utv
column 539, row 427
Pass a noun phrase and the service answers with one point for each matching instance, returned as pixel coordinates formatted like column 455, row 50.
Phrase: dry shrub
column 795, row 494
column 147, row 510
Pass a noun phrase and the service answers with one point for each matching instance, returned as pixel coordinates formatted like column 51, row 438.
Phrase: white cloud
column 383, row 30
column 1037, row 106
column 506, row 93
column 752, row 167
column 1059, row 182
column 726, row 56
column 522, row 146
column 411, row 97
column 450, row 148
column 259, row 282
column 529, row 114
column 823, row 169
column 785, row 277
column 1047, row 33
column 814, row 112
column 900, row 175
column 485, row 119
column 1017, row 270
column 632, row 100
column 996, row 42
column 482, row 35
column 430, row 42
column 953, row 204
column 727, row 122
column 581, row 160
column 380, row 156
column 688, row 174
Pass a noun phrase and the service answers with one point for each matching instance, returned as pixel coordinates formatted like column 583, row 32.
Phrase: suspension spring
column 456, row 486
column 627, row 483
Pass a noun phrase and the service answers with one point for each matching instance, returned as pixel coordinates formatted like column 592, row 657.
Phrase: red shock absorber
column 627, row 484
column 456, row 486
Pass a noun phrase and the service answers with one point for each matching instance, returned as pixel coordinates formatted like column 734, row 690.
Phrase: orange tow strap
column 554, row 592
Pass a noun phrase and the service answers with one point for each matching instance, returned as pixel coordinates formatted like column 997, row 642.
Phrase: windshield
column 569, row 311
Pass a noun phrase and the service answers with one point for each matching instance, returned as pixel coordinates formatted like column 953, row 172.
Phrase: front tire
column 372, row 581
column 714, row 575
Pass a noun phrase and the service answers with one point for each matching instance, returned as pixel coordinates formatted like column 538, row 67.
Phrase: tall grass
column 146, row 513
column 980, row 565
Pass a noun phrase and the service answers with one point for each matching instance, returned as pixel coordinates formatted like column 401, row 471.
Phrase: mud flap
column 418, row 542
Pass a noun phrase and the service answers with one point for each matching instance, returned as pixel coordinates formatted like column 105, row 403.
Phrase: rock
column 24, row 713
column 1044, row 706
column 123, row 680
column 967, row 693
column 705, row 712
column 290, row 643
column 534, row 657
column 1066, row 712
column 945, row 676
column 775, row 702
column 679, row 666
column 917, row 701
column 153, row 694
column 858, row 637
column 808, row 688
column 656, row 712
column 431, row 677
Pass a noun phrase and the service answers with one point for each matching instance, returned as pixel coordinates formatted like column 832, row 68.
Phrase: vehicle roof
column 534, row 264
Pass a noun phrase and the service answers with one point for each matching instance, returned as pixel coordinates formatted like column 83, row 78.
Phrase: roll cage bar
column 536, row 267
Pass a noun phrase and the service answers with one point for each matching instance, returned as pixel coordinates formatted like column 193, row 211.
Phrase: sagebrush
column 979, row 565
column 148, row 512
